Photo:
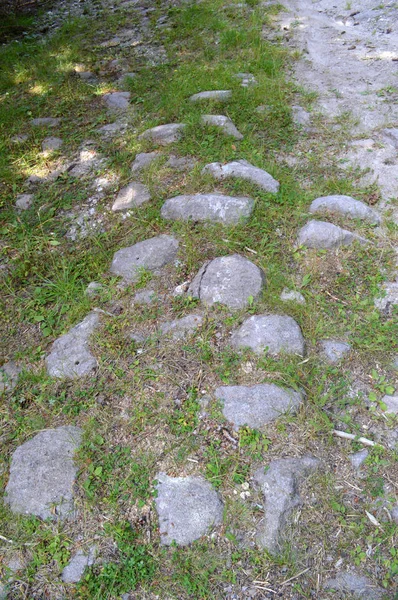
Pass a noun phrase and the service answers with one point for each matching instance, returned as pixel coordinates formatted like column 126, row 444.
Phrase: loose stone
column 163, row 134
column 143, row 160
column 256, row 405
column 133, row 195
column 356, row 585
column 208, row 207
column 74, row 570
column 358, row 458
column 390, row 297
column 273, row 334
column 45, row 122
column 345, row 205
column 188, row 507
column 224, row 123
column 292, row 296
column 242, row 169
column 50, row 144
column 24, row 201
column 391, row 403
column 230, row 280
column 323, row 235
column 117, row 100
column 334, row 350
column 42, row 474
column 218, row 95
column 9, row 374
column 181, row 328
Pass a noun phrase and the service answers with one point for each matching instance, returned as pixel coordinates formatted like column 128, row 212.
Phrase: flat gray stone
column 347, row 206
column 133, row 195
column 112, row 129
column 256, row 405
column 358, row 458
column 117, row 100
column 9, row 374
column 323, row 235
column 150, row 254
column 392, row 404
column 43, row 473
column 390, row 297
column 334, row 350
column 143, row 160
column 280, row 486
column 70, row 356
column 224, row 123
column 218, row 208
column 274, row 334
column 241, row 169
column 359, row 586
column 163, row 134
column 145, row 297
column 24, row 201
column 46, row 122
column 230, row 280
column 181, row 328
column 74, row 570
column 50, row 144
column 292, row 296
column 188, row 507
column 300, row 116
column 218, row 95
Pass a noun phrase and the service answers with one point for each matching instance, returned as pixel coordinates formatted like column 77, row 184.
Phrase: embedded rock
column 117, row 100
column 358, row 458
column 150, row 254
column 133, row 195
column 24, row 201
column 356, row 585
column 347, row 206
column 112, row 129
column 301, row 117
column 218, row 95
column 145, row 297
column 292, row 296
column 247, row 79
column 242, row 169
column 334, row 350
column 181, row 328
column 323, row 235
column 224, row 123
column 391, row 403
column 50, row 144
column 274, row 334
column 143, row 160
column 218, row 208
column 390, row 297
column 9, row 374
column 45, row 122
column 180, row 163
column 74, row 570
column 163, row 134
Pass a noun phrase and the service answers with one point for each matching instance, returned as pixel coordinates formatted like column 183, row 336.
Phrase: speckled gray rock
column 390, row 297
column 9, row 373
column 24, row 201
column 230, row 280
column 70, row 356
column 143, row 160
column 358, row 458
column 224, row 123
column 74, row 570
column 241, row 169
column 133, row 195
column 274, row 334
column 392, row 404
column 145, row 297
column 117, row 101
column 334, row 350
column 150, row 254
column 323, row 235
column 50, row 144
column 46, row 122
column 208, row 207
column 188, row 507
column 347, row 206
column 359, row 586
column 280, row 486
column 163, row 134
column 256, row 405
column 218, row 95
column 292, row 296
column 300, row 116
column 181, row 328
column 42, row 474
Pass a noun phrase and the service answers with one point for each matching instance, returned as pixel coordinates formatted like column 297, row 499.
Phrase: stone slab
column 217, row 208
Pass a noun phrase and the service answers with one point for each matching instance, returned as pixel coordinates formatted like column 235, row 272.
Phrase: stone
column 150, row 254
column 74, row 570
column 334, row 350
column 188, row 507
column 181, row 328
column 273, row 334
column 231, row 280
column 280, row 486
column 242, row 169
column 133, row 195
column 256, row 405
column 180, row 163
column 112, row 129
column 347, row 206
column 217, row 95
column 358, row 586
column 24, row 201
column 20, row 138
column 224, row 123
column 247, row 79
column 292, row 296
column 86, row 76
column 394, row 513
column 70, row 356
column 43, row 473
column 117, row 100
column 301, row 117
column 9, row 374
column 391, row 403
column 323, row 235
column 163, row 134
column 395, row 363
column 93, row 289
column 51, row 144
column 218, row 208
column 390, row 297
column 392, row 135
column 143, row 160
column 358, row 458
column 145, row 297
column 46, row 122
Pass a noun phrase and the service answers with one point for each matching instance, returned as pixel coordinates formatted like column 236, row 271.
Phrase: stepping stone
column 218, row 208
column 392, row 404
column 150, row 255
column 273, row 334
column 145, row 297
column 390, row 298
column 112, row 129
column 334, row 350
column 347, row 206
column 292, row 296
column 231, row 280
column 224, row 123
column 181, row 328
column 163, row 134
column 218, row 95
column 256, row 405
column 133, row 195
column 358, row 458
column 247, row 79
column 143, row 160
column 357, row 586
column 323, row 235
column 74, row 570
column 9, row 374
column 50, row 144
column 300, row 116
column 70, row 356
column 280, row 486
column 43, row 473
column 242, row 169
column 46, row 122
column 117, row 100
column 188, row 507
column 24, row 201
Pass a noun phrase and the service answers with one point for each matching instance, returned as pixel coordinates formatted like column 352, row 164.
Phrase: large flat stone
column 241, row 169
column 274, row 334
column 163, row 134
column 347, row 206
column 188, row 507
column 230, row 280
column 152, row 254
column 256, row 405
column 323, row 235
column 117, row 101
column 42, row 474
column 217, row 95
column 224, row 123
column 357, row 586
column 208, row 207
column 133, row 195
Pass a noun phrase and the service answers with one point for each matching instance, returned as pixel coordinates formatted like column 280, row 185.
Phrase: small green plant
column 253, row 442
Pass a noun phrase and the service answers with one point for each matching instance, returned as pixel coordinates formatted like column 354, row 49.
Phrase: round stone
column 274, row 334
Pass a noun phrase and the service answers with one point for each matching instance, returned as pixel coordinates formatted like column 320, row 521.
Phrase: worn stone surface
column 133, row 195
column 150, row 254
column 242, row 169
column 274, row 334
column 300, row 116
column 145, row 297
column 256, row 405
column 9, row 373
column 46, row 122
column 349, row 582
column 50, row 144
column 280, row 486
column 188, row 507
column 224, row 123
column 230, row 280
column 392, row 404
column 218, row 95
column 74, row 570
column 292, row 296
column 334, row 350
column 390, row 297
column 358, row 458
column 117, row 101
column 24, row 201
column 70, row 355
column 143, row 160
column 181, row 328
column 42, row 474
column 347, row 206
column 163, row 134
column 323, row 235
column 208, row 207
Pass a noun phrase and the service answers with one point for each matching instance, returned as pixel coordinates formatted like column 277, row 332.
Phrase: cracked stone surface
column 280, row 486
column 9, row 373
column 150, row 255
column 70, row 356
column 43, row 473
column 163, row 134
column 323, row 235
column 188, row 507
column 24, row 201
column 117, row 101
column 350, row 582
column 242, row 169
column 208, row 207
column 292, row 296
column 74, row 570
column 46, row 122
column 347, row 206
column 392, row 404
column 224, row 123
column 143, row 160
column 273, row 334
column 181, row 328
column 334, row 350
column 256, row 405
column 231, row 280
column 131, row 196
column 218, row 95
column 390, row 297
